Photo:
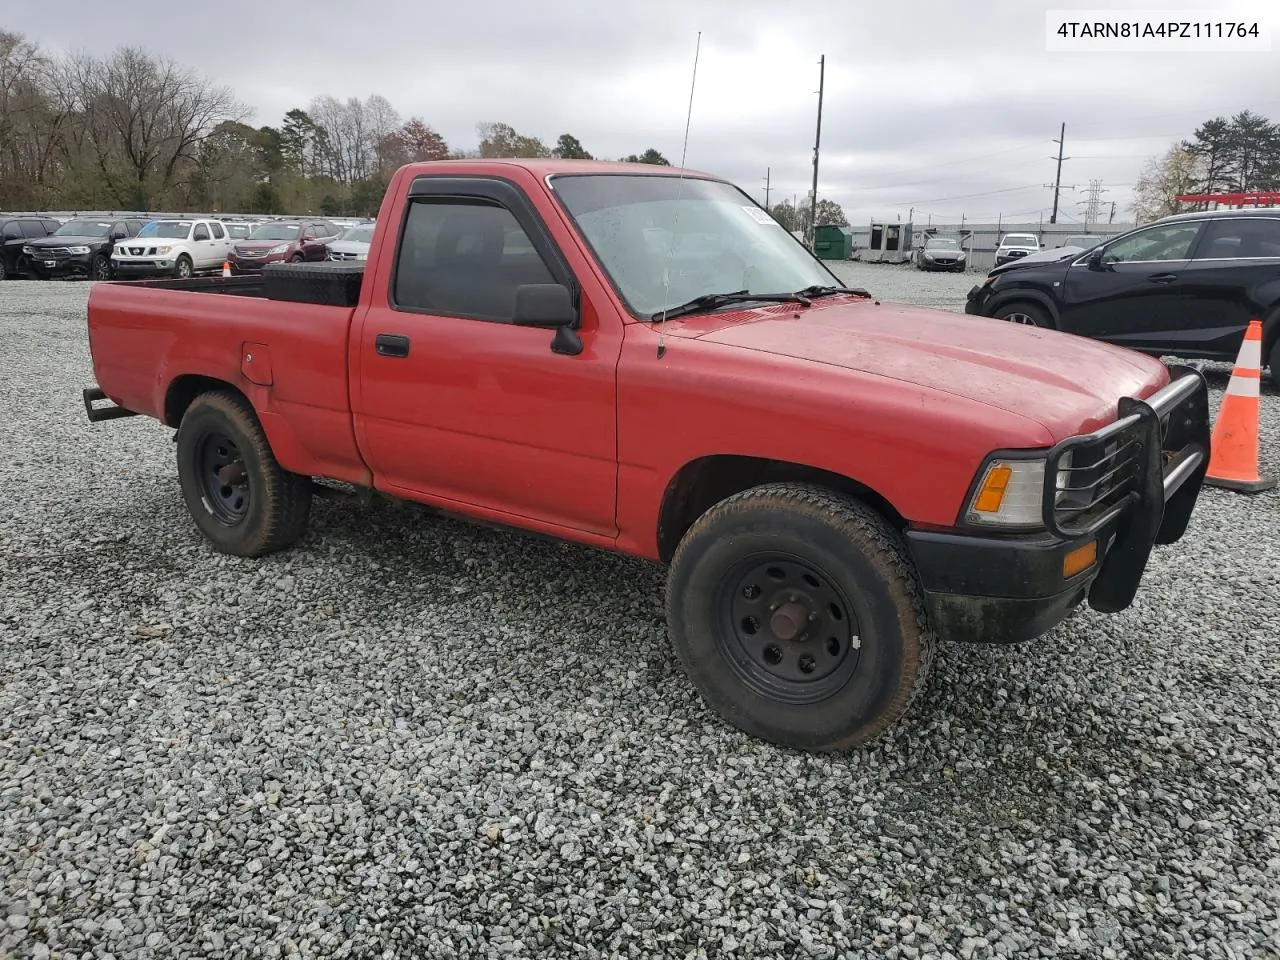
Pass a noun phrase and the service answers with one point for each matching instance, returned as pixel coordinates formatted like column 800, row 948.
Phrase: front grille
column 1097, row 476
column 945, row 261
column 52, row 252
column 250, row 254
column 340, row 255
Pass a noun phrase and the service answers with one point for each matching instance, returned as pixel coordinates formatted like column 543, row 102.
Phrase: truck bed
column 282, row 343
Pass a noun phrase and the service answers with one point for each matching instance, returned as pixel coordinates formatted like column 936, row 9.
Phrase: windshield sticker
column 760, row 216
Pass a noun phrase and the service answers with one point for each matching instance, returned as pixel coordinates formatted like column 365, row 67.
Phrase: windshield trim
column 598, row 262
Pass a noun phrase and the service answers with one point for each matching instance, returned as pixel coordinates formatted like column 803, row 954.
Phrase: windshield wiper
column 709, row 301
column 818, row 290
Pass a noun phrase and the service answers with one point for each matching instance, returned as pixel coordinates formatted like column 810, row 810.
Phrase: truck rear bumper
column 1011, row 588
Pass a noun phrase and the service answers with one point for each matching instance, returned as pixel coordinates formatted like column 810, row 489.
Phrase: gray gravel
column 410, row 737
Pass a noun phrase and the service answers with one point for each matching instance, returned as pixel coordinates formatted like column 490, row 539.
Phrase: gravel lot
column 411, row 737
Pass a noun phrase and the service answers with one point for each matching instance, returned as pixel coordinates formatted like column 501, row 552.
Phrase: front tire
column 100, row 269
column 1025, row 313
column 797, row 614
column 241, row 499
column 182, row 270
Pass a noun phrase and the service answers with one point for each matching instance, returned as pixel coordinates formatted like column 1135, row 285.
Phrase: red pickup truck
column 641, row 359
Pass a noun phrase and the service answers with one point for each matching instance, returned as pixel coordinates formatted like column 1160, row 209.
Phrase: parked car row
column 104, row 248
column 1185, row 286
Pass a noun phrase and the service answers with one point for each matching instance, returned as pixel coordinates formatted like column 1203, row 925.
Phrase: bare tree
column 1180, row 171
column 144, row 118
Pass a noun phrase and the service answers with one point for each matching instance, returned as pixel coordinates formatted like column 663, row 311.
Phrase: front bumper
column 142, row 268
column 246, row 266
column 66, row 265
column 1011, row 588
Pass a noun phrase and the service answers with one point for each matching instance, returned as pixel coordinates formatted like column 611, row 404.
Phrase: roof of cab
column 541, row 167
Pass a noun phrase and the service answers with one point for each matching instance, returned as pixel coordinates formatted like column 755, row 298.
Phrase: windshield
column 1020, row 240
column 170, row 229
column 708, row 235
column 275, row 231
column 361, row 234
column 83, row 228
column 945, row 242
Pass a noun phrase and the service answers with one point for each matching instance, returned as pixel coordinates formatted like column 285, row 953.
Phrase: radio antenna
column 684, row 153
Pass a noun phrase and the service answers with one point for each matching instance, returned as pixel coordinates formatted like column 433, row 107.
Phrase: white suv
column 1015, row 246
column 179, row 248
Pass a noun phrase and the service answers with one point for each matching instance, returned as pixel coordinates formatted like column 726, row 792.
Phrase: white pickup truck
column 177, row 248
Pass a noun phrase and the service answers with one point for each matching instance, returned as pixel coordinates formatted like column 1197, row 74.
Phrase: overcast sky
column 945, row 107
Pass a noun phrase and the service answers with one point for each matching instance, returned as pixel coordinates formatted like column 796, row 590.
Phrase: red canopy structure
column 1267, row 199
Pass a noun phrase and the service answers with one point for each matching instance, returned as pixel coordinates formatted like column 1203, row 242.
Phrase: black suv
column 1184, row 286
column 14, row 233
column 79, row 248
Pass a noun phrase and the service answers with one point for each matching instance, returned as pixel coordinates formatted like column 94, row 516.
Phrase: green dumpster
column 833, row 243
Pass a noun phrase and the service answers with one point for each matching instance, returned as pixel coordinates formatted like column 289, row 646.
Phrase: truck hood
column 1067, row 384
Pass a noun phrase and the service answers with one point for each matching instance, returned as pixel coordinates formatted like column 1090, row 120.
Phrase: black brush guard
column 1142, row 476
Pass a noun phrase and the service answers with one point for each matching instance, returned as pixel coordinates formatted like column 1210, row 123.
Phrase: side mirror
column 118, row 235
column 544, row 305
column 1095, row 259
column 549, row 305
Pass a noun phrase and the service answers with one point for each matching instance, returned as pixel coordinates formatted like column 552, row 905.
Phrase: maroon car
column 282, row 240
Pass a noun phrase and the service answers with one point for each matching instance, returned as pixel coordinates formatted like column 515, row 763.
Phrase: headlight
column 1009, row 493
column 283, row 248
column 29, row 251
column 161, row 251
column 960, row 256
column 77, row 251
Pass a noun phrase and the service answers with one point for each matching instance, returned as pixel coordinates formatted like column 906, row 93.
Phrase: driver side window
column 1169, row 242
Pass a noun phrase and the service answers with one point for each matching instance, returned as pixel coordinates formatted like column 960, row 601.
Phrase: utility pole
column 817, row 142
column 1057, row 180
column 1112, row 218
column 767, row 172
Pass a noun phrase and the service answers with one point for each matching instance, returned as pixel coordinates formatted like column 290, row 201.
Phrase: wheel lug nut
column 813, row 617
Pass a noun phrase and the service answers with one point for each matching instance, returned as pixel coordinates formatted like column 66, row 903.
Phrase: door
column 201, row 246
column 1233, row 277
column 219, row 246
column 313, row 244
column 455, row 403
column 11, row 240
column 1133, row 293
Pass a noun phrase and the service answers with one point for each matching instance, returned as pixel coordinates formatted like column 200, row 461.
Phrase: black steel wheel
column 224, row 481
column 240, row 497
column 789, row 631
column 797, row 614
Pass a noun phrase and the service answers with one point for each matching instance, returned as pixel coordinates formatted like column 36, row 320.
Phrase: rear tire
column 241, row 499
column 1023, row 312
column 797, row 615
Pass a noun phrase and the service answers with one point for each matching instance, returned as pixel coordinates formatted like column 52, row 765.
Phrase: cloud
column 925, row 100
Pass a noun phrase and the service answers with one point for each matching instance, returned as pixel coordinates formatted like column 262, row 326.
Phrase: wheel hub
column 788, row 629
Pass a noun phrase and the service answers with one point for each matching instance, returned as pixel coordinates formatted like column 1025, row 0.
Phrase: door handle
column 1163, row 278
column 391, row 345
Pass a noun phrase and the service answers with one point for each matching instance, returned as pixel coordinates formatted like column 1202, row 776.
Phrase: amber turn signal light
column 1079, row 559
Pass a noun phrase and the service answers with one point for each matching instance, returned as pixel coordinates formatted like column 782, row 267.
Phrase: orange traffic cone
column 1233, row 459
column 226, row 268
